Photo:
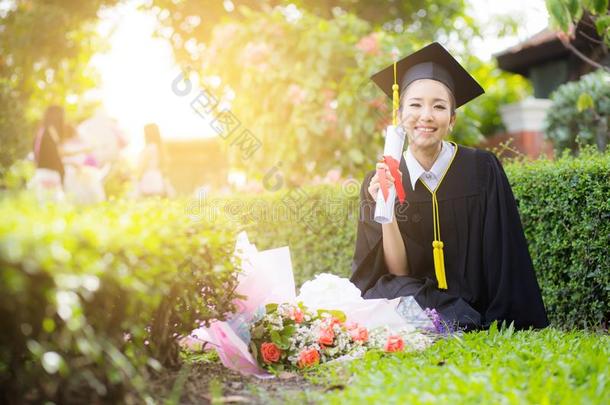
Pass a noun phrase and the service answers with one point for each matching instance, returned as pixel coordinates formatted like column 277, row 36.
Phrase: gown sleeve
column 513, row 293
column 371, row 276
column 368, row 264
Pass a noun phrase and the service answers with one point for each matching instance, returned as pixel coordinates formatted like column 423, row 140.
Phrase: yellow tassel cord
column 395, row 98
column 437, row 245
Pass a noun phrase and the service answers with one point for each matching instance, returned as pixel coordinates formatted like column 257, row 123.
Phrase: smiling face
column 427, row 113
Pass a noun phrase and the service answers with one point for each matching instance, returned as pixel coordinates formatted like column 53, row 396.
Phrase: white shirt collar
column 438, row 168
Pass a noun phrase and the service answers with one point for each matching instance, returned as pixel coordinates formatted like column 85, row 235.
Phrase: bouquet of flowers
column 274, row 329
column 290, row 336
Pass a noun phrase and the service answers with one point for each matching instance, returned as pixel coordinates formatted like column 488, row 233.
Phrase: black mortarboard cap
column 431, row 62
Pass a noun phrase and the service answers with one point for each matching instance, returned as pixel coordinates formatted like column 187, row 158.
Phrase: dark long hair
column 54, row 118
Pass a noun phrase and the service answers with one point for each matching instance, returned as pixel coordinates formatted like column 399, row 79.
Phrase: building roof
column 546, row 46
column 542, row 47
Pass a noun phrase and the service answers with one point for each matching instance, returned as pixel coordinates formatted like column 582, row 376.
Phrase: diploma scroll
column 394, row 142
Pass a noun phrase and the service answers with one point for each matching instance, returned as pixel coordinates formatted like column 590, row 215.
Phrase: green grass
column 545, row 367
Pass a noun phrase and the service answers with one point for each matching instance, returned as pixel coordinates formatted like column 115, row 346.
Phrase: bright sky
column 138, row 70
column 531, row 14
column 137, row 75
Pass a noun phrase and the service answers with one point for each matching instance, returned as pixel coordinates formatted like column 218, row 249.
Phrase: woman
column 152, row 164
column 459, row 206
column 48, row 140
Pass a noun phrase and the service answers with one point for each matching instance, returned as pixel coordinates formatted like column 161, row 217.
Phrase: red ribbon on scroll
column 393, row 165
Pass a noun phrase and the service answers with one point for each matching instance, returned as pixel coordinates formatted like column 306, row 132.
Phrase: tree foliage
column 330, row 50
column 567, row 13
column 45, row 47
column 301, row 86
column 190, row 23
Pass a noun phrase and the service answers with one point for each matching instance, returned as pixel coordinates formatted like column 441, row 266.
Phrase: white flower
column 328, row 291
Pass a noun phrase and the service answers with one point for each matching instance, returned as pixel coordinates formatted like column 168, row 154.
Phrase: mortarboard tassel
column 392, row 163
column 395, row 98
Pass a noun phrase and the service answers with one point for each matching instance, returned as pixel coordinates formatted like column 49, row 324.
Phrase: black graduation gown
column 489, row 271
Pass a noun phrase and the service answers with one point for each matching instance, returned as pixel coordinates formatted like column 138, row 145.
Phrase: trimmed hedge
column 564, row 206
column 95, row 298
column 565, row 210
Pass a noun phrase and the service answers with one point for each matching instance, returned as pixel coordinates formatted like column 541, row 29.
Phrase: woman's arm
column 394, row 251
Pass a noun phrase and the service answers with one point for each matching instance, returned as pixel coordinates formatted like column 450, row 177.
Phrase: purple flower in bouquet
column 440, row 325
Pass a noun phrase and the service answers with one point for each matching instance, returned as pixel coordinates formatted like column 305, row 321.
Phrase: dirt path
column 211, row 382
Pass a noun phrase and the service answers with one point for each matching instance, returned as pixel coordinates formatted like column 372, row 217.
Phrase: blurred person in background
column 48, row 141
column 84, row 178
column 152, row 180
column 103, row 135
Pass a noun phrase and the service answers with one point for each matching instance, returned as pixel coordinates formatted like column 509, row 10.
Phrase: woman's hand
column 394, row 250
column 374, row 183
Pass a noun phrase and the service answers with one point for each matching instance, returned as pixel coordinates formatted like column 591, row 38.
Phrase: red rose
column 359, row 334
column 326, row 336
column 271, row 353
column 309, row 357
column 394, row 344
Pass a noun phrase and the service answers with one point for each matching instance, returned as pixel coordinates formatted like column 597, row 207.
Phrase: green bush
column 580, row 113
column 565, row 210
column 16, row 176
column 93, row 298
column 564, row 206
